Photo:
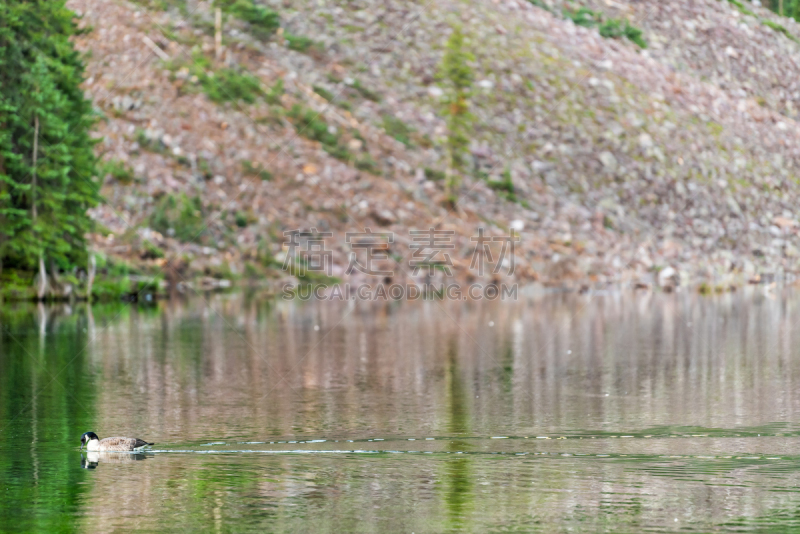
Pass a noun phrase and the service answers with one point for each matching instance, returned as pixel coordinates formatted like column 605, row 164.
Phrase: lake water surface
column 620, row 412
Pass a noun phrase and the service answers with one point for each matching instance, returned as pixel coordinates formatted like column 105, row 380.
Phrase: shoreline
column 149, row 289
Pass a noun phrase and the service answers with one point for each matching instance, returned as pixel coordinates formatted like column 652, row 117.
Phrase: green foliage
column 397, row 129
column 615, row 28
column 338, row 151
column 263, row 21
column 634, row 35
column 334, row 99
column 611, row 29
column 309, row 124
column 455, row 69
column 778, row 28
column 741, row 8
column 330, row 97
column 148, row 285
column 300, row 43
column 256, row 170
column 434, row 175
column 148, row 143
column 179, row 216
column 111, row 288
column 223, row 85
column 150, row 251
column 583, row 17
column 15, row 287
column 541, row 4
column 160, row 5
column 231, row 85
column 204, row 168
column 791, row 8
column 119, row 170
column 241, row 219
column 43, row 213
column 504, row 187
column 457, row 77
column 324, row 93
column 368, row 164
column 114, row 280
column 264, row 253
column 366, row 92
column 608, row 28
column 275, row 93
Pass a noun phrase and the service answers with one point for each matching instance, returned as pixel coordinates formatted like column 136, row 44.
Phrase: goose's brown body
column 117, row 444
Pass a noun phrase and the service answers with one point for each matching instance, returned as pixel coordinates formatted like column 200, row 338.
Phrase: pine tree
column 44, row 118
column 457, row 76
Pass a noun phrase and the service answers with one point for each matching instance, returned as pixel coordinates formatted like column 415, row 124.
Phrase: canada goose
column 93, row 443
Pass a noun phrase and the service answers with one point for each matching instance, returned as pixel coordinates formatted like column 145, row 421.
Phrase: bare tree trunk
column 42, row 271
column 42, row 279
column 56, row 282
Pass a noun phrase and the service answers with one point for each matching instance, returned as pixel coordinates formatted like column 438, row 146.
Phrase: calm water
column 619, row 412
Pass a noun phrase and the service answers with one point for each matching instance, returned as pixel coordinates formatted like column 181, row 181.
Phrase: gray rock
column 608, row 160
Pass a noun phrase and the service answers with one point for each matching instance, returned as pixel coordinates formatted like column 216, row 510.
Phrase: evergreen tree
column 457, row 76
column 47, row 164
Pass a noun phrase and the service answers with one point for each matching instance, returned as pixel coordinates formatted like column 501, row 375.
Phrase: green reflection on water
column 46, row 393
column 458, row 478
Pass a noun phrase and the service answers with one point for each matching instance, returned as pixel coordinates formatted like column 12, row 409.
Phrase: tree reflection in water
column 704, row 386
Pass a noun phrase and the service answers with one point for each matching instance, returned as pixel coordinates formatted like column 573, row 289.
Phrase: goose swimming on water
column 117, row 444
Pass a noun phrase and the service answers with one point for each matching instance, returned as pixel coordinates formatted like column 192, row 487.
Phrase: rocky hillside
column 661, row 157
